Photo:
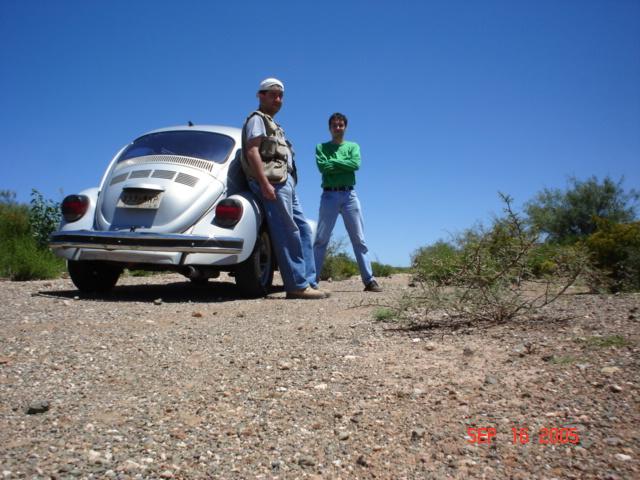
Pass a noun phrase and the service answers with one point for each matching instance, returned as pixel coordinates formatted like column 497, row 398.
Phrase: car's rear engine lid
column 156, row 197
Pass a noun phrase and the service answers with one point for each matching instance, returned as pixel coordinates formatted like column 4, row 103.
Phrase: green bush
column 546, row 259
column 615, row 248
column 436, row 263
column 382, row 269
column 383, row 314
column 21, row 258
column 44, row 218
column 338, row 266
column 569, row 215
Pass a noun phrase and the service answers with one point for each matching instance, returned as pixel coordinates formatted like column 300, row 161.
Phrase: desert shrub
column 383, row 314
column 21, row 258
column 544, row 259
column 436, row 263
column 483, row 278
column 570, row 215
column 382, row 269
column 338, row 266
column 615, row 248
column 44, row 218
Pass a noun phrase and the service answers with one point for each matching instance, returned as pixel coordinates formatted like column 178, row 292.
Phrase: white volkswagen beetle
column 174, row 199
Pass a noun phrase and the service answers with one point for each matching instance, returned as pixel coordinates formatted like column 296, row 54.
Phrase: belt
column 337, row 189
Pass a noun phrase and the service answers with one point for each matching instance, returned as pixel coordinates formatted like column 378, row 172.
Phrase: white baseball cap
column 271, row 84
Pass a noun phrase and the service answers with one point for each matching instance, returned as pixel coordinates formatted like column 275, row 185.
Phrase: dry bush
column 491, row 279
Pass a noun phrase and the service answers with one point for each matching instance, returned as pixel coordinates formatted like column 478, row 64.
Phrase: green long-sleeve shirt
column 338, row 163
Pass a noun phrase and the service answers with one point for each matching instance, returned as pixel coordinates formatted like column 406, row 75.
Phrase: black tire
column 93, row 277
column 254, row 276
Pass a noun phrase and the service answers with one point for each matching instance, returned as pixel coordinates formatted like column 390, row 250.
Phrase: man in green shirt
column 338, row 161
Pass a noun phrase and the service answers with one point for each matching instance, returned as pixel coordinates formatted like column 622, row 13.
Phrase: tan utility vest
column 273, row 150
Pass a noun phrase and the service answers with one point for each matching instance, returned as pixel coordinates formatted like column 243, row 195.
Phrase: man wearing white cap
column 267, row 160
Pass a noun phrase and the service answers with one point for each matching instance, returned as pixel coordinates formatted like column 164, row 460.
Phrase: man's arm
column 255, row 160
column 349, row 162
column 325, row 165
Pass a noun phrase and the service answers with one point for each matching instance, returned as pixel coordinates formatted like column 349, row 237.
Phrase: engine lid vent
column 166, row 174
column 188, row 180
column 140, row 174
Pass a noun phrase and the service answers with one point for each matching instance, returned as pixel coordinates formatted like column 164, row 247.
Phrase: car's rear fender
column 85, row 222
column 247, row 228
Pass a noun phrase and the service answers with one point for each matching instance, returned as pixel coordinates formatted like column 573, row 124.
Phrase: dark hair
column 338, row 116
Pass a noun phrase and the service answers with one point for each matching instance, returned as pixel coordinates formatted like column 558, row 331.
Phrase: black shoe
column 372, row 286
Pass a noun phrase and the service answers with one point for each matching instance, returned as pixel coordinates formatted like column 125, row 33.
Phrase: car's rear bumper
column 145, row 241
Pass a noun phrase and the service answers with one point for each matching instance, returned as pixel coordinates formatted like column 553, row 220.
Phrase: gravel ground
column 164, row 379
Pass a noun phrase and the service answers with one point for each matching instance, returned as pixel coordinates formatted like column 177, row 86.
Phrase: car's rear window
column 214, row 147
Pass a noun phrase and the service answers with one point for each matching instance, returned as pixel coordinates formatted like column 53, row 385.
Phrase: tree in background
column 567, row 216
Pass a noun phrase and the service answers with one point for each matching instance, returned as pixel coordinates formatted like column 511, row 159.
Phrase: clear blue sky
column 451, row 101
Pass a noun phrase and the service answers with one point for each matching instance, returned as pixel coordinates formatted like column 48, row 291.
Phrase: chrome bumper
column 145, row 241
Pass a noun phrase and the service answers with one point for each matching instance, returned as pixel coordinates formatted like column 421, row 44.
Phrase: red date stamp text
column 522, row 435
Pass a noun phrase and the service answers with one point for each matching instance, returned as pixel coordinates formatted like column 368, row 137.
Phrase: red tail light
column 74, row 207
column 228, row 212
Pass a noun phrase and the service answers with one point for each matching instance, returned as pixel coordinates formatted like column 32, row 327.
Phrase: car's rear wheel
column 254, row 276
column 93, row 277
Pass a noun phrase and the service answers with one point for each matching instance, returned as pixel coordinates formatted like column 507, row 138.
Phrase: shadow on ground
column 174, row 292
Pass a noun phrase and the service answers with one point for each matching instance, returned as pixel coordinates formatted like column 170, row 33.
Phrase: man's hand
column 267, row 190
column 253, row 156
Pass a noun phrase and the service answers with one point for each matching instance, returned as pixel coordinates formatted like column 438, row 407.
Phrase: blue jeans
column 291, row 235
column 346, row 204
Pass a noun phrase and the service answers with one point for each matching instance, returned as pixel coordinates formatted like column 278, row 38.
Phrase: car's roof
column 225, row 130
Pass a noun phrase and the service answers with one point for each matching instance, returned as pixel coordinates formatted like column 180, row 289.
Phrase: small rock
column 343, row 436
column 130, row 466
column 417, row 434
column 490, row 380
column 157, row 301
column 622, row 457
column 468, row 351
column 282, row 365
column 38, row 407
column 362, row 461
column 613, row 441
column 615, row 388
column 197, row 314
column 519, row 350
column 429, row 346
column 321, row 386
column 306, row 461
column 610, row 370
column 94, row 457
column 166, row 474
